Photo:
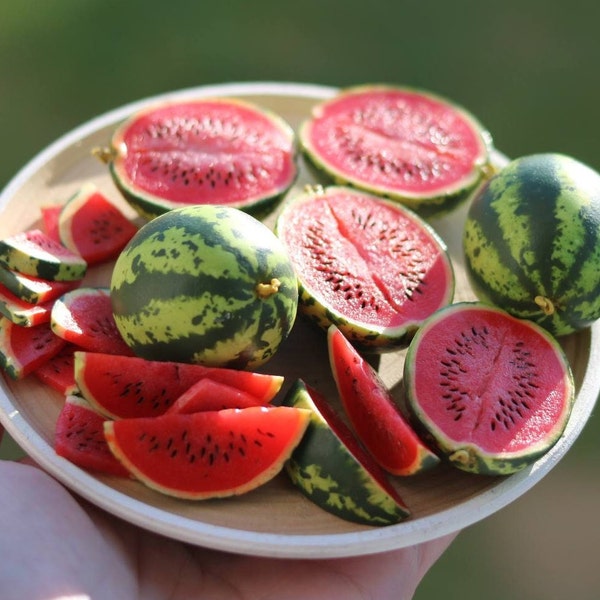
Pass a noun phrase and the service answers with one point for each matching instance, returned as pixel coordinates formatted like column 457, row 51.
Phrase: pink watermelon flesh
column 58, row 372
column 370, row 261
column 128, row 386
column 94, row 227
column 373, row 413
column 208, row 454
column 50, row 214
column 484, row 378
column 400, row 141
column 207, row 394
column 205, row 152
column 79, row 437
column 84, row 317
column 25, row 349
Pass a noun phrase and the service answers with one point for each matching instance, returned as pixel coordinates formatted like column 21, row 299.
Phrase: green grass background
column 527, row 69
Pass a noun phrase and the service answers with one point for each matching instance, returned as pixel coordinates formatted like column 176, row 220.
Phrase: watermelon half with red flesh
column 202, row 151
column 369, row 266
column 406, row 144
column 373, row 412
column 491, row 391
column 211, row 454
column 128, row 386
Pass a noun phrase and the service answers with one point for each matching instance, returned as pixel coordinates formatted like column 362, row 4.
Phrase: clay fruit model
column 369, row 266
column 406, row 144
column 202, row 151
column 205, row 284
column 532, row 242
column 492, row 392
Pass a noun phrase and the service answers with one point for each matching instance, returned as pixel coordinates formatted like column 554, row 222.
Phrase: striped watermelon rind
column 206, row 284
column 333, row 471
column 532, row 242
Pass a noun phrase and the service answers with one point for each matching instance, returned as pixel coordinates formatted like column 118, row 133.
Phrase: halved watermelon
column 210, row 454
column 372, row 412
column 129, row 386
column 94, row 227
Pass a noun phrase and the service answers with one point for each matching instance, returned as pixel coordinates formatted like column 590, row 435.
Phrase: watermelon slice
column 50, row 213
column 211, row 454
column 25, row 349
column 34, row 253
column 79, row 437
column 372, row 412
column 58, row 372
column 84, row 317
column 92, row 226
column 207, row 394
column 33, row 289
column 23, row 313
column 128, row 386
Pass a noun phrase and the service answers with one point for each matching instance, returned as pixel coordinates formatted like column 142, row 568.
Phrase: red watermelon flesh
column 84, row 317
column 207, row 394
column 25, row 349
column 79, row 437
column 210, row 454
column 129, row 386
column 50, row 214
column 93, row 227
column 58, row 371
column 373, row 413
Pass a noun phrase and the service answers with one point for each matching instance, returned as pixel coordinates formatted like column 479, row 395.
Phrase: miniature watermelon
column 33, row 289
column 34, row 253
column 491, row 391
column 202, row 151
column 532, row 242
column 128, row 386
column 332, row 469
column 58, row 372
column 405, row 144
column 84, row 317
column 369, row 266
column 205, row 284
column 94, row 227
column 211, row 454
column 373, row 412
column 79, row 437
column 25, row 349
column 207, row 394
column 23, row 313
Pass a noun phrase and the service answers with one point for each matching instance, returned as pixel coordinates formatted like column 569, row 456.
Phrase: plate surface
column 275, row 520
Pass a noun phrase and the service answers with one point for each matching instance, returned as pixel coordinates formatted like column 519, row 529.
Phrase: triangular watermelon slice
column 93, row 227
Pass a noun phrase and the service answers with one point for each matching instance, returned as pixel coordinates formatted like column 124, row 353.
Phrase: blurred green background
column 528, row 70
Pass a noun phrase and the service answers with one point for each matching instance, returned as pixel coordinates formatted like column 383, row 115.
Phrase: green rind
column 427, row 206
column 534, row 230
column 363, row 336
column 464, row 455
column 200, row 271
column 326, row 472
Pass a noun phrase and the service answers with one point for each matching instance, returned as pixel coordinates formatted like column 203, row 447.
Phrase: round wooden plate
column 274, row 520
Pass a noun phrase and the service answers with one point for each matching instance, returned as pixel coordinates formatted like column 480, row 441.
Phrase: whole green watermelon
column 205, row 284
column 532, row 242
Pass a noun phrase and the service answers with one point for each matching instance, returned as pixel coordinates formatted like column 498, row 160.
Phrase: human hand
column 55, row 545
